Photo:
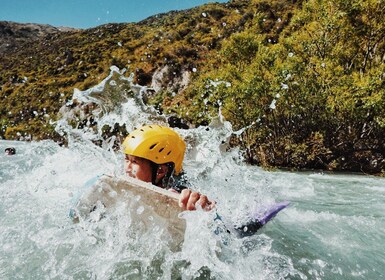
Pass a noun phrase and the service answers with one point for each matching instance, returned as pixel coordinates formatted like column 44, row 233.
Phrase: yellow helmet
column 157, row 143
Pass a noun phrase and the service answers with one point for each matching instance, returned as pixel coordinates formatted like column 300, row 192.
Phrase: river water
column 334, row 227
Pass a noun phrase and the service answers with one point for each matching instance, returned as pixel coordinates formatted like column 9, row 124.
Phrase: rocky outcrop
column 165, row 78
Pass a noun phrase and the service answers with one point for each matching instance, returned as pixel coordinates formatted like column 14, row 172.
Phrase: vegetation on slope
column 39, row 76
column 305, row 79
column 311, row 95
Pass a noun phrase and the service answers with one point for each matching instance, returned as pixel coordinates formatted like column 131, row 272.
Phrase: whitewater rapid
column 333, row 228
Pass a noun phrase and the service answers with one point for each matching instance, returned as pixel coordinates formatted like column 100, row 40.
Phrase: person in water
column 10, row 151
column 155, row 154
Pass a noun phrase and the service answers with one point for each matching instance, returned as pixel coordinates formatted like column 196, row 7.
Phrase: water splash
column 106, row 111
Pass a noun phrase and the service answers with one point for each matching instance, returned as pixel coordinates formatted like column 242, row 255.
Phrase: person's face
column 138, row 168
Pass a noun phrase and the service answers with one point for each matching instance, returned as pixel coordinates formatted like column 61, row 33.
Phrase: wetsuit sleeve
column 180, row 183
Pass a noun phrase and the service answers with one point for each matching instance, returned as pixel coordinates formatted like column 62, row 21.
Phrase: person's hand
column 189, row 199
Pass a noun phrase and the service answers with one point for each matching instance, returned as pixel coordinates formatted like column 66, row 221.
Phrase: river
column 334, row 227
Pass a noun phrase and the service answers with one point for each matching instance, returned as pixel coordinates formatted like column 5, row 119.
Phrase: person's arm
column 189, row 199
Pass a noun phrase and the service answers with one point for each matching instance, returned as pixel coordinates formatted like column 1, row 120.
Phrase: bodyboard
column 146, row 203
column 149, row 205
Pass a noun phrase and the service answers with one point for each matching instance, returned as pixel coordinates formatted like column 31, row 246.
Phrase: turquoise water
column 334, row 227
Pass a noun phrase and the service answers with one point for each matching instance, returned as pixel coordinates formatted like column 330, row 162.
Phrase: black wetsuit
column 181, row 182
column 178, row 182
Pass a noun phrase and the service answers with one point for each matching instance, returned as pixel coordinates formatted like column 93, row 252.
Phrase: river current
column 334, row 227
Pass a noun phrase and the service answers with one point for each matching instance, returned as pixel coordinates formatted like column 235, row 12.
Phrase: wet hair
column 10, row 151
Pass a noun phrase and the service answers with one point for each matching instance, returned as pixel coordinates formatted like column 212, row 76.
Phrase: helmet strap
column 154, row 169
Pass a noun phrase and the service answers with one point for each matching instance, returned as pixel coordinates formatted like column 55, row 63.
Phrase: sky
column 89, row 13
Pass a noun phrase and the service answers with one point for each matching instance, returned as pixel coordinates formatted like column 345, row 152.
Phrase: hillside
column 45, row 65
column 306, row 78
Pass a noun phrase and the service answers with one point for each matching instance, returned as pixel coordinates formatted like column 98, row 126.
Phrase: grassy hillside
column 307, row 81
column 305, row 78
column 38, row 76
